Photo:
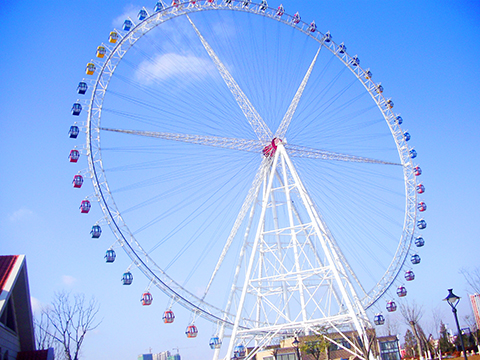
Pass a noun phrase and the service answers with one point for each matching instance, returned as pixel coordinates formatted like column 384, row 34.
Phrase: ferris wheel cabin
column 158, row 6
column 96, row 231
column 415, row 259
column 76, row 109
column 215, row 343
column 239, row 351
column 379, row 319
column 74, row 155
column 263, row 5
column 85, row 206
column 113, row 37
column 127, row 25
column 391, row 306
column 90, row 70
column 127, row 278
column 110, row 256
column 146, row 299
column 142, row 14
column 296, row 18
column 82, row 88
column 192, row 331
column 101, row 51
column 280, row 10
column 401, row 291
column 419, row 242
column 409, row 275
column 421, row 224
column 168, row 317
column 77, row 181
column 327, row 38
column 73, row 132
column 313, row 27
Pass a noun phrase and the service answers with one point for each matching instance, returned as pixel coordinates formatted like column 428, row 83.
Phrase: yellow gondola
column 101, row 51
column 113, row 37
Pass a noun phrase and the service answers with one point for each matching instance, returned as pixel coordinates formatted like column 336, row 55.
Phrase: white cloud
column 169, row 65
column 68, row 280
column 36, row 305
column 21, row 214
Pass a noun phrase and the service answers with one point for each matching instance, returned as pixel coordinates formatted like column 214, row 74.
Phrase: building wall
column 8, row 342
column 475, row 301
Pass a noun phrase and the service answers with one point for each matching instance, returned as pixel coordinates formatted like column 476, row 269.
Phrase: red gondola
column 147, row 299
column 85, row 206
column 168, row 317
column 417, row 171
column 391, row 306
column 280, row 10
column 421, row 206
column 192, row 331
column 74, row 155
column 77, row 181
column 296, row 18
column 420, row 189
column 313, row 27
column 409, row 275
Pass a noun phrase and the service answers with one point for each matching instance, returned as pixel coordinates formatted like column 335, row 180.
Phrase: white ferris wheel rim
column 113, row 215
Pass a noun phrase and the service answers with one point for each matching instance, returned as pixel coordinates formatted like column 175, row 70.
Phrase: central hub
column 269, row 150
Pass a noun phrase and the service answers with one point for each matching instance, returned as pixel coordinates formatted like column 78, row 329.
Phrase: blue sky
column 424, row 54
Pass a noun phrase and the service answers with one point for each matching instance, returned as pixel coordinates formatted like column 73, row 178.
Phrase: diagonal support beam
column 282, row 129
column 259, row 127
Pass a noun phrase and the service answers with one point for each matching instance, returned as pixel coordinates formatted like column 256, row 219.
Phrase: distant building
column 145, row 357
column 475, row 301
column 174, row 357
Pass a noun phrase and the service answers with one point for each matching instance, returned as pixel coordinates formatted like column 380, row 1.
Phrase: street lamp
column 295, row 344
column 453, row 301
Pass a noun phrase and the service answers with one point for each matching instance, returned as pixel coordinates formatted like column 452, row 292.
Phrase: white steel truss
column 295, row 280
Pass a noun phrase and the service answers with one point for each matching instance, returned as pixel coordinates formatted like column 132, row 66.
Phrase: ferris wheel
column 251, row 169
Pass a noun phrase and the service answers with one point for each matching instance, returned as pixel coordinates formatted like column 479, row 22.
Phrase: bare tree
column 412, row 313
column 473, row 278
column 472, row 324
column 66, row 322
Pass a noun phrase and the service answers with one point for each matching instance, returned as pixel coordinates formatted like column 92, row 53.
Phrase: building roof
column 6, row 268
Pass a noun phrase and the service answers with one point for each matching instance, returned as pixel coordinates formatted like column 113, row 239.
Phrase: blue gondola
column 158, row 6
column 409, row 275
column 239, row 351
column 96, row 231
column 413, row 153
column 419, row 241
column 355, row 61
column 263, row 5
column 368, row 74
column 127, row 25
column 415, row 259
column 379, row 88
column 82, row 88
column 76, row 109
column 110, row 256
column 127, row 278
column 215, row 343
column 422, row 206
column 379, row 319
column 142, row 14
column 245, row 3
column 327, row 37
column 406, row 136
column 391, row 306
column 390, row 103
column 73, row 132
column 421, row 224
column 401, row 291
column 398, row 120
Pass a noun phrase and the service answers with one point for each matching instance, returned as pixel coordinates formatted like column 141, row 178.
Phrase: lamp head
column 295, row 342
column 452, row 299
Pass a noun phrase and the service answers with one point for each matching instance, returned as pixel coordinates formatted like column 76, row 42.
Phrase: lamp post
column 295, row 344
column 453, row 300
